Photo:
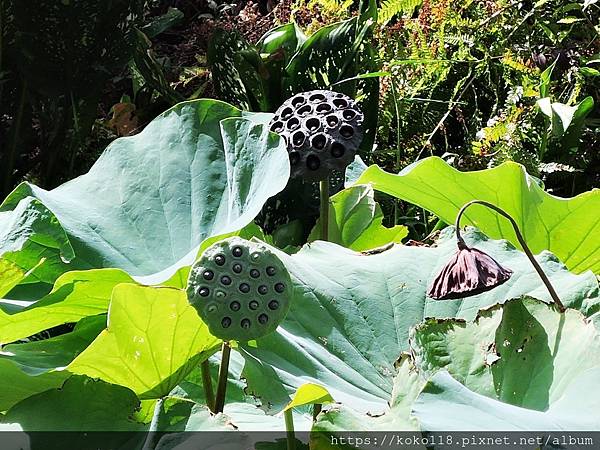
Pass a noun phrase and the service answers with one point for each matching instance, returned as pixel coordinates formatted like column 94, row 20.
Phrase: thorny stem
column 324, row 212
column 289, row 429
column 223, row 372
column 151, row 439
column 536, row 266
column 207, row 385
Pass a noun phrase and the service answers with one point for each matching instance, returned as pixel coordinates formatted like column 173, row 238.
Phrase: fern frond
column 391, row 8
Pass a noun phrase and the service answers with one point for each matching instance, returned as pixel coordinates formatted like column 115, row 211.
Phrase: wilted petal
column 469, row 272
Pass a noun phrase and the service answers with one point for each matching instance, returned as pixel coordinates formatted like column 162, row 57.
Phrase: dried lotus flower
column 469, row 272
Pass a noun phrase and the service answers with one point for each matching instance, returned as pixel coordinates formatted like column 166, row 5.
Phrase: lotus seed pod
column 322, row 129
column 241, row 289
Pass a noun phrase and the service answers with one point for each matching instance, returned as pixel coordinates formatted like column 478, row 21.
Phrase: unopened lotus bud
column 322, row 129
column 241, row 289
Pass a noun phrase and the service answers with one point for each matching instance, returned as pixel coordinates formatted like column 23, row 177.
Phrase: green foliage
column 544, row 220
column 136, row 199
column 285, row 62
column 465, row 79
column 481, row 366
column 355, row 221
column 56, row 60
column 367, row 304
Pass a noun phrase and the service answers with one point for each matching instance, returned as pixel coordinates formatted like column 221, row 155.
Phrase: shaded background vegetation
column 458, row 79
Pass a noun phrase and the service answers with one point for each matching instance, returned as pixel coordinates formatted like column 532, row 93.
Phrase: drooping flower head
column 469, row 272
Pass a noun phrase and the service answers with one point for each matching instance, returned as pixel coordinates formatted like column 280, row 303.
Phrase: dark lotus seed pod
column 224, row 300
column 322, row 129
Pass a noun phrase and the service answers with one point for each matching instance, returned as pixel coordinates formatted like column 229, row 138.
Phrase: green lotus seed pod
column 241, row 289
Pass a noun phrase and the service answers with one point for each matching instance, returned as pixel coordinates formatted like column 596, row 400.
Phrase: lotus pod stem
column 536, row 266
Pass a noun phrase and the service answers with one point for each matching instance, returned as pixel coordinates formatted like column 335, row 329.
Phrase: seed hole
column 348, row 114
column 263, row 319
column 279, row 287
column 324, row 108
column 304, row 111
column 293, row 123
column 208, row 275
column 237, row 252
column 297, row 101
column 220, row 295
column 340, row 103
column 319, row 141
column 244, row 288
column 245, row 323
column 332, row 121
column 298, row 138
column 235, row 306
column 262, row 289
column 277, row 127
column 203, row 291
column 273, row 305
column 337, row 150
column 254, row 273
column 237, row 268
column 313, row 162
column 347, row 131
column 287, row 113
column 220, row 260
column 253, row 305
column 226, row 322
column 271, row 271
column 313, row 124
column 316, row 98
column 226, row 280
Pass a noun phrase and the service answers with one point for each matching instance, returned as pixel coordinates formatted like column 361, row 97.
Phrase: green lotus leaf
column 10, row 276
column 563, row 226
column 84, row 405
column 153, row 340
column 75, row 295
column 520, row 366
column 351, row 314
column 355, row 221
column 30, row 233
column 195, row 171
column 34, row 367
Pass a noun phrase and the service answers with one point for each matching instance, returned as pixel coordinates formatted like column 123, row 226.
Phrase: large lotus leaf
column 10, row 276
column 84, row 405
column 566, row 227
column 355, row 221
column 521, row 366
column 351, row 315
column 341, row 418
column 33, row 367
column 75, row 295
column 30, row 233
column 152, row 198
column 153, row 340
column 447, row 405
